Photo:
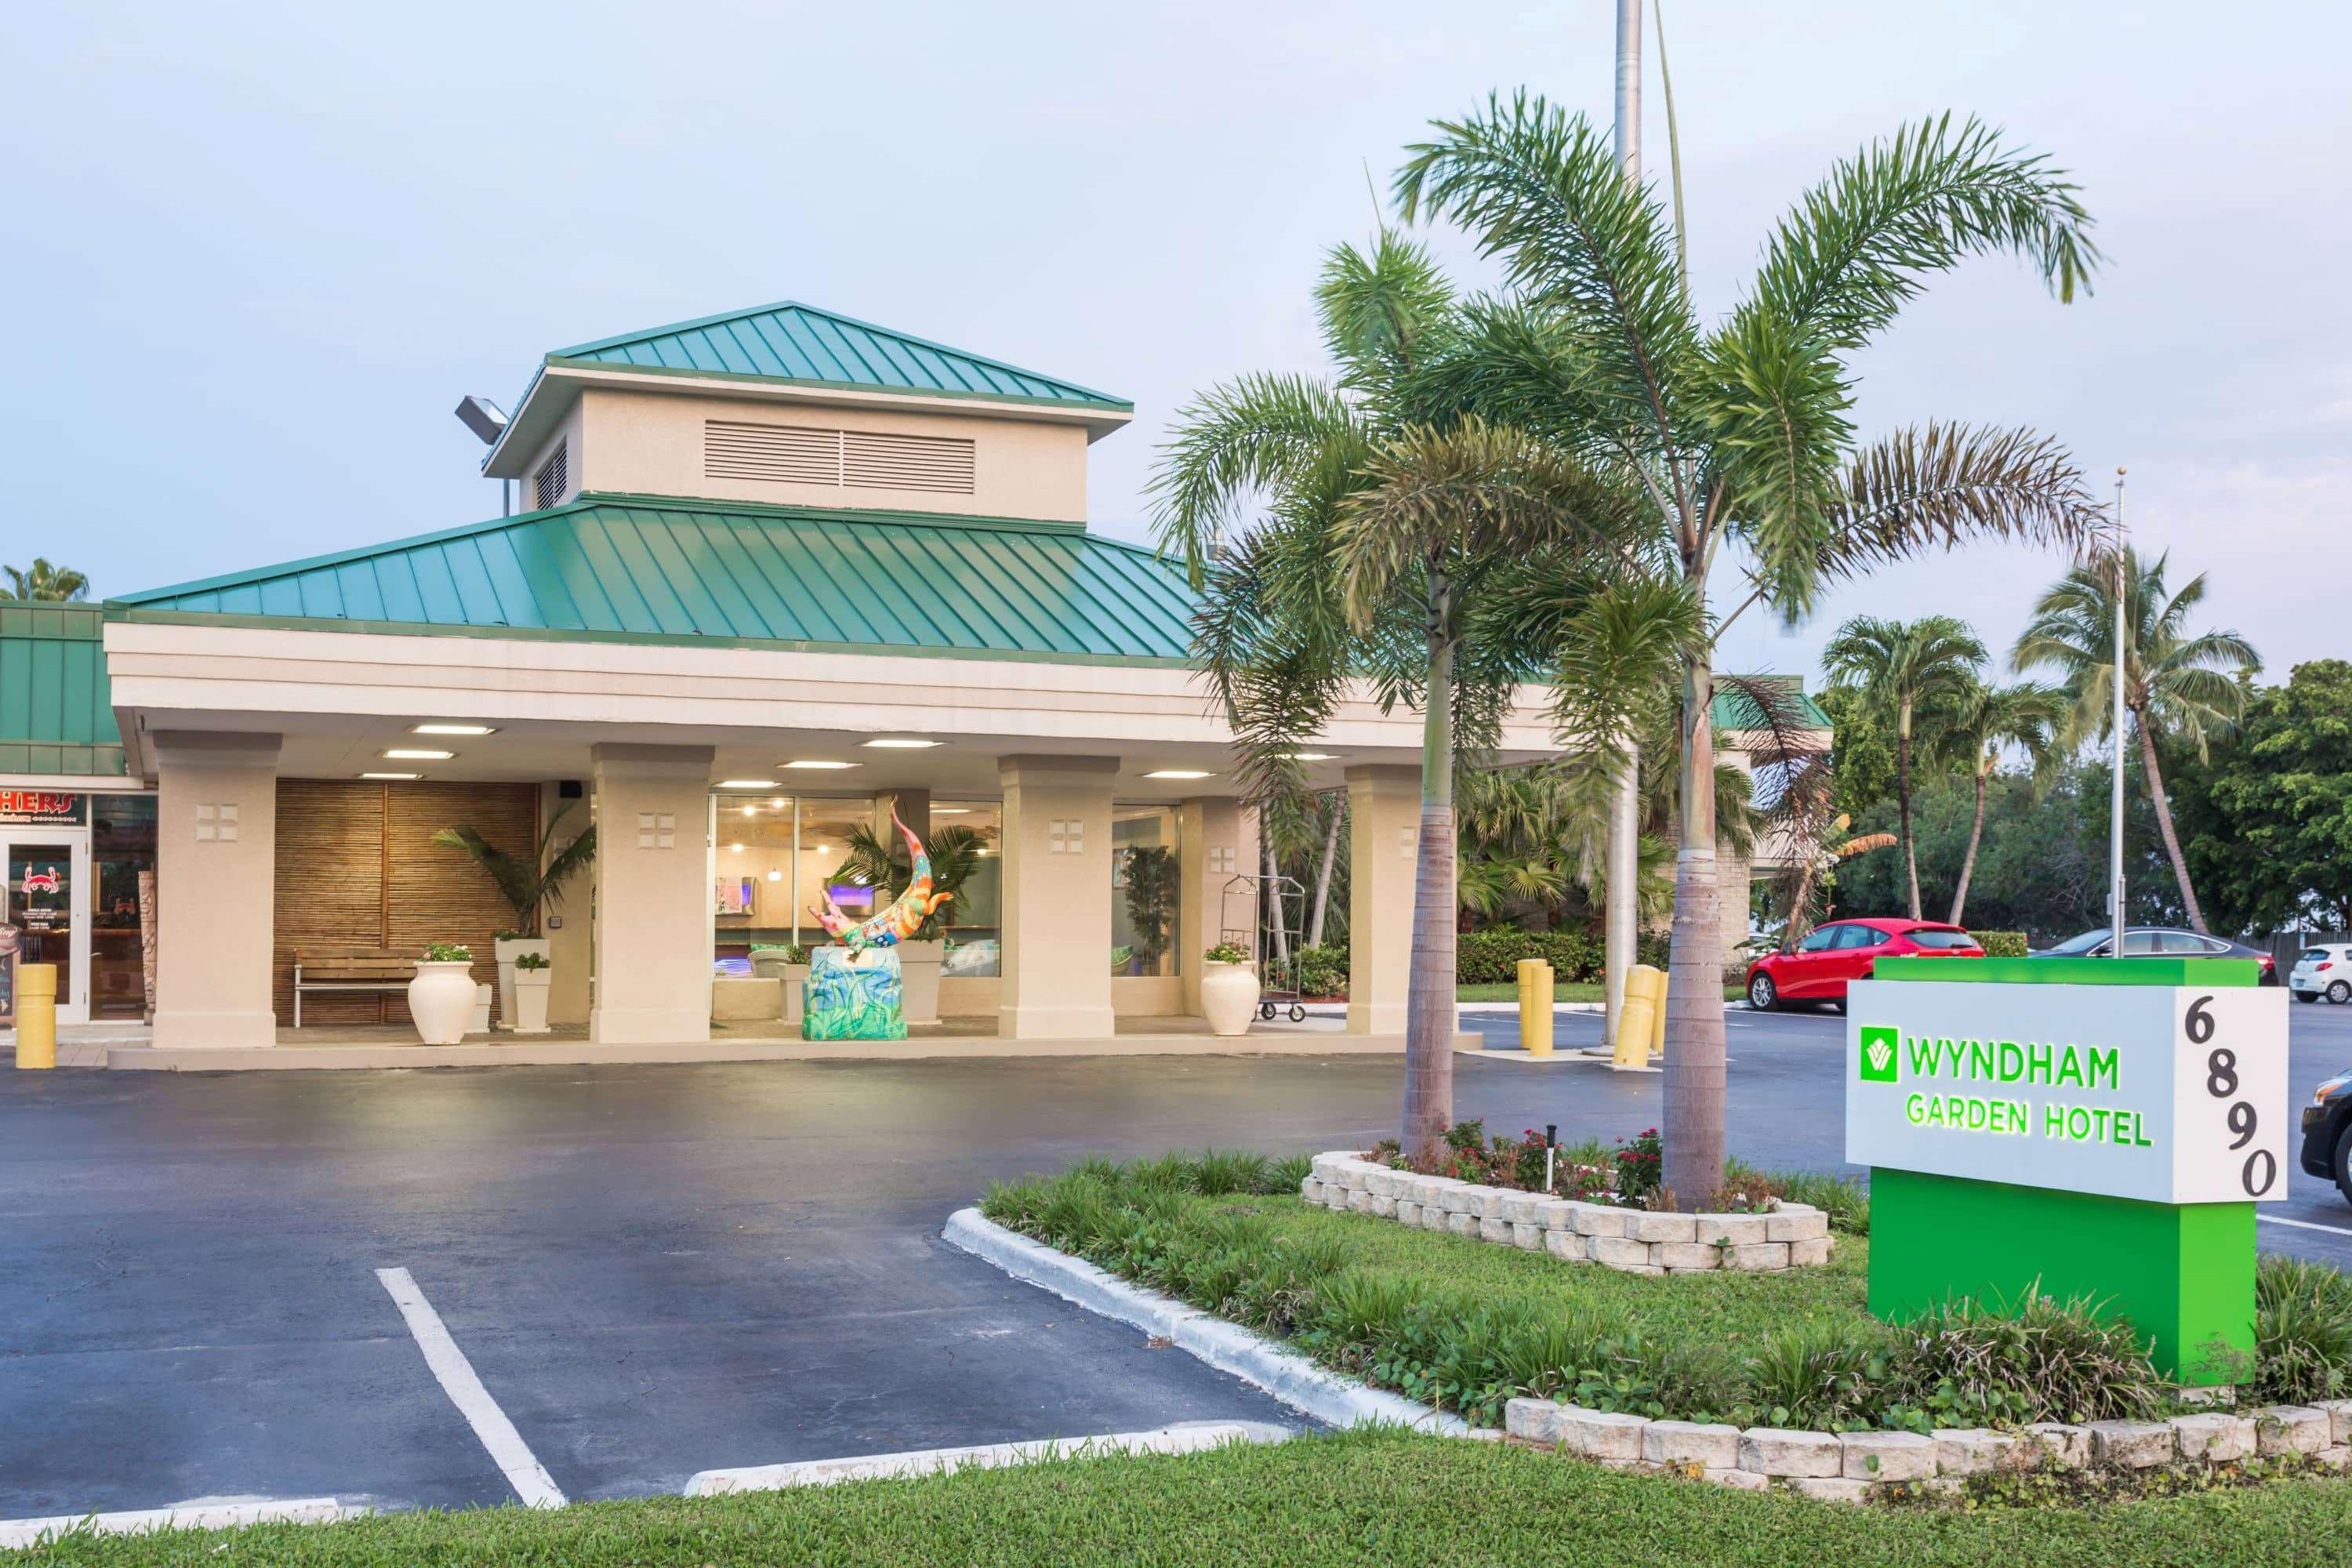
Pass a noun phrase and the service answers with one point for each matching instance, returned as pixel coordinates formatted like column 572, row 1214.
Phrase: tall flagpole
column 2115, row 805
column 1620, row 913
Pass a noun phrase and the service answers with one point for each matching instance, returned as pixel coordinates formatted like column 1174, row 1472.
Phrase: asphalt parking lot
column 661, row 1270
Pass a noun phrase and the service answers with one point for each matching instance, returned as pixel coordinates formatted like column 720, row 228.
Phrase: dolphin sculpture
column 906, row 913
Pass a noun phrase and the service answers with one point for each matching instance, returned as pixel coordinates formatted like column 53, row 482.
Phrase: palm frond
column 1253, row 434
column 1922, row 489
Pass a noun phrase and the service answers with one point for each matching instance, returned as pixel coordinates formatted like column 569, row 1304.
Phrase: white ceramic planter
column 479, row 1023
column 1228, row 996
column 918, row 977
column 508, row 950
column 795, row 992
column 441, row 1001
column 530, row 1001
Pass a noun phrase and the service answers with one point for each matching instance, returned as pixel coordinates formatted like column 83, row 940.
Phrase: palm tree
column 528, row 884
column 882, row 861
column 1901, row 667
column 1973, row 734
column 45, row 584
column 1392, row 529
column 2183, row 687
column 1739, row 433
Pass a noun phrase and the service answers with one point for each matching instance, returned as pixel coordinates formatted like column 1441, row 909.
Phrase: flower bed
column 1638, row 1241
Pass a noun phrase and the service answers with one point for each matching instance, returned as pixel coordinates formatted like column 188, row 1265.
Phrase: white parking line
column 2302, row 1224
column 1182, row 1439
column 198, row 1515
column 507, row 1449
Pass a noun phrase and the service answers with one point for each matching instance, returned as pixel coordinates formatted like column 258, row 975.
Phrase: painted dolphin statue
column 906, row 913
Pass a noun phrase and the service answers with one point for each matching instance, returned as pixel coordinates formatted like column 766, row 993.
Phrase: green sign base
column 2183, row 1275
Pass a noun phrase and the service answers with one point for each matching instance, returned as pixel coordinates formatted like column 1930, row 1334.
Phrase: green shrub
column 2303, row 1332
column 1974, row 1363
column 2000, row 943
column 1819, row 1379
column 1492, row 957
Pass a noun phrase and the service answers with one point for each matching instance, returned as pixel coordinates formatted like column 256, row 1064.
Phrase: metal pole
column 2115, row 803
column 1618, row 921
column 796, row 869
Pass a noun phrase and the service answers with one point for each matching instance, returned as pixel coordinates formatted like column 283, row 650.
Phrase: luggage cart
column 1246, row 895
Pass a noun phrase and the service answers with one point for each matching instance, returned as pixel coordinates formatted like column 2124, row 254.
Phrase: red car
column 1839, row 950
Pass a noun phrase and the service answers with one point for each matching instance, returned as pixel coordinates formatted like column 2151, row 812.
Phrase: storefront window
column 121, row 848
column 1144, row 897
column 767, row 880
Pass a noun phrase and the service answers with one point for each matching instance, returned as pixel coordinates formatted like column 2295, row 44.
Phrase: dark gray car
column 2159, row 942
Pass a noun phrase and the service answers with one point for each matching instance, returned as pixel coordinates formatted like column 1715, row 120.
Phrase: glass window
column 751, row 889
column 974, row 926
column 2090, row 941
column 1941, row 940
column 1145, row 875
column 121, row 849
column 1821, row 939
column 2139, row 943
column 1852, row 937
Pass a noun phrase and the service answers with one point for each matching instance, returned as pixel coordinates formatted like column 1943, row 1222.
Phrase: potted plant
column 1229, row 988
column 955, row 854
column 787, row 962
column 530, row 978
column 528, row 886
column 441, row 997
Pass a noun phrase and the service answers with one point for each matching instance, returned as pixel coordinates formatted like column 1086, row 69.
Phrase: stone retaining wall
column 1793, row 1235
column 1845, row 1466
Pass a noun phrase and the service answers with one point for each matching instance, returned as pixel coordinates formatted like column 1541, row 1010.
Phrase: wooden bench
column 349, row 969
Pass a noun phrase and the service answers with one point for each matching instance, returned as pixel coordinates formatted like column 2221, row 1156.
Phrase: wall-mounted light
column 775, row 876
column 735, row 848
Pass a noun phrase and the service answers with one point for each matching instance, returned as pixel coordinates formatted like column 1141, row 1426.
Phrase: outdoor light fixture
column 486, row 419
column 453, row 729
column 887, row 743
column 812, row 762
column 735, row 848
column 1178, row 774
column 775, row 876
column 415, row 754
column 748, row 783
column 389, row 776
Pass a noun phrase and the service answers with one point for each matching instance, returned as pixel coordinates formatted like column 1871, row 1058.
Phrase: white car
column 2322, row 971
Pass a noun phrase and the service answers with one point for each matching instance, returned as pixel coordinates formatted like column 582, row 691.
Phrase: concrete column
column 1056, row 953
column 653, row 894
column 1215, row 839
column 569, row 944
column 215, row 887
column 914, row 810
column 1383, row 851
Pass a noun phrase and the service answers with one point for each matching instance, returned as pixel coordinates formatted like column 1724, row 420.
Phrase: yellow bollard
column 1658, row 1031
column 1535, row 1007
column 1645, row 1015
column 36, row 1015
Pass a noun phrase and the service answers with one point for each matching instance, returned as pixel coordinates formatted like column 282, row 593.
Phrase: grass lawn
column 1735, row 1310
column 1561, row 990
column 1373, row 1498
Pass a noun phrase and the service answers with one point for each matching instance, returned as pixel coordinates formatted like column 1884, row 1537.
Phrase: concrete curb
column 1290, row 1377
column 1184, row 1437
column 200, row 1515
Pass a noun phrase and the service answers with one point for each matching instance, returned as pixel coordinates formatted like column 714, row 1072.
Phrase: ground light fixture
column 1179, row 773
column 415, row 754
column 896, row 744
column 813, row 762
column 453, row 729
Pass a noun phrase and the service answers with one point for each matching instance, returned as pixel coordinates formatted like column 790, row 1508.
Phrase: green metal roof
column 792, row 342
column 55, row 716
column 662, row 569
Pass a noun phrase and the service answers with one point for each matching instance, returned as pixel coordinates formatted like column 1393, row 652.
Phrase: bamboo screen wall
column 357, row 866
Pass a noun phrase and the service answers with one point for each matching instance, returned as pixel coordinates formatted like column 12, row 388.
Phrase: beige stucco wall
column 569, row 944
column 650, row 443
column 1384, row 853
column 216, row 881
column 1216, row 838
column 1056, row 944
column 653, row 894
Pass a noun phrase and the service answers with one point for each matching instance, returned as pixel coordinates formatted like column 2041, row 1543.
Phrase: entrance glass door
column 48, row 903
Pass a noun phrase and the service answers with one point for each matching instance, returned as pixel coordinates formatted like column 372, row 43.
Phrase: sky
column 256, row 253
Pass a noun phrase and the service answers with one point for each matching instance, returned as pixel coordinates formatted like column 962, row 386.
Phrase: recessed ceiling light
column 1310, row 756
column 888, row 743
column 1178, row 774
column 453, row 729
column 817, row 763
column 415, row 754
column 392, row 775
column 950, row 811
column 746, row 783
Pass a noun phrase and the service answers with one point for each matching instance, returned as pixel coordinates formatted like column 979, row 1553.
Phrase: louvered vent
column 553, row 477
column 857, row 459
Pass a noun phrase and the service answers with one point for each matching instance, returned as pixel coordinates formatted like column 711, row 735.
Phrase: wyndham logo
column 1879, row 1063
